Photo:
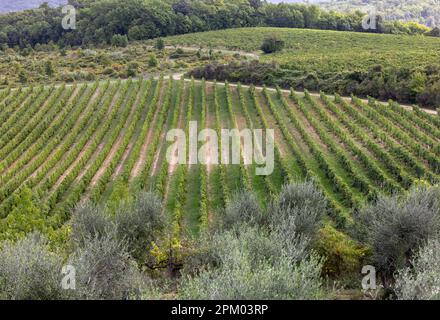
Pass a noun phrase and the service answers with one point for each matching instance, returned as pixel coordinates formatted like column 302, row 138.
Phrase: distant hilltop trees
column 99, row 21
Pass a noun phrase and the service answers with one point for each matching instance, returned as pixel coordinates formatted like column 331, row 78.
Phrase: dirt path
column 117, row 144
column 172, row 166
column 84, row 150
column 144, row 150
column 251, row 55
column 130, row 146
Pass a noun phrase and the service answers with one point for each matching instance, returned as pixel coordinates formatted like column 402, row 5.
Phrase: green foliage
column 140, row 223
column 25, row 217
column 252, row 265
column 272, row 44
column 342, row 255
column 152, row 61
column 100, row 21
column 421, row 281
column 106, row 271
column 160, row 44
column 300, row 208
column 49, row 69
column 29, row 271
column 242, row 209
column 119, row 40
column 395, row 227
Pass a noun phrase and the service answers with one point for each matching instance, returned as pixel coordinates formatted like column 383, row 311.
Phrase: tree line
column 97, row 22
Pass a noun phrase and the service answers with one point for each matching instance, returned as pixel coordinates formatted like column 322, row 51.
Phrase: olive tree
column 29, row 271
column 396, row 226
column 422, row 280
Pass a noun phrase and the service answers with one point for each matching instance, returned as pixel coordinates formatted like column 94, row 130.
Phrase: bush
column 28, row 271
column 299, row 209
column 152, row 61
column 396, row 226
column 422, row 281
column 105, row 270
column 272, row 44
column 140, row 223
column 253, row 265
column 119, row 40
column 89, row 221
column 242, row 209
column 342, row 255
column 159, row 44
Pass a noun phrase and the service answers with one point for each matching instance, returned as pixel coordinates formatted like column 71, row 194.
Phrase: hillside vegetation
column 101, row 20
column 324, row 50
column 398, row 67
column 105, row 141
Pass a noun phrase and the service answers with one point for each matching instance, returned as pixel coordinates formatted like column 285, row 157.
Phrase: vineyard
column 323, row 50
column 106, row 140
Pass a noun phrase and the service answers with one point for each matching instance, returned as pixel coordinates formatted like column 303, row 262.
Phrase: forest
column 99, row 21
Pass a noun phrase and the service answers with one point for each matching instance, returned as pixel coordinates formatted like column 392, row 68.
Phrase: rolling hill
column 101, row 140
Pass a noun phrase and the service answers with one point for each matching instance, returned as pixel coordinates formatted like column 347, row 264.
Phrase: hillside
column 397, row 67
column 106, row 139
column 323, row 50
column 20, row 5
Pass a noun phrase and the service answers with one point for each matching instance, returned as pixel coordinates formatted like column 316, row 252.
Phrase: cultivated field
column 324, row 50
column 105, row 140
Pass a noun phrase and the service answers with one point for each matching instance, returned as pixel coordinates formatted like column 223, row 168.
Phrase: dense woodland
column 99, row 21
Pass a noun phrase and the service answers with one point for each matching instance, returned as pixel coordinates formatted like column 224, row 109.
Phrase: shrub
column 140, row 223
column 242, row 209
column 422, row 281
column 89, row 221
column 396, row 226
column 28, row 271
column 26, row 217
column 272, row 44
column 105, row 270
column 119, row 40
column 299, row 209
column 152, row 61
column 159, row 44
column 342, row 255
column 252, row 265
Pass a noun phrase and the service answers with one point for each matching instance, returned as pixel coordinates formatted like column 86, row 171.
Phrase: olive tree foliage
column 29, row 271
column 253, row 266
column 89, row 221
column 262, row 255
column 422, row 281
column 140, row 222
column 396, row 226
column 243, row 209
column 299, row 209
column 105, row 270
